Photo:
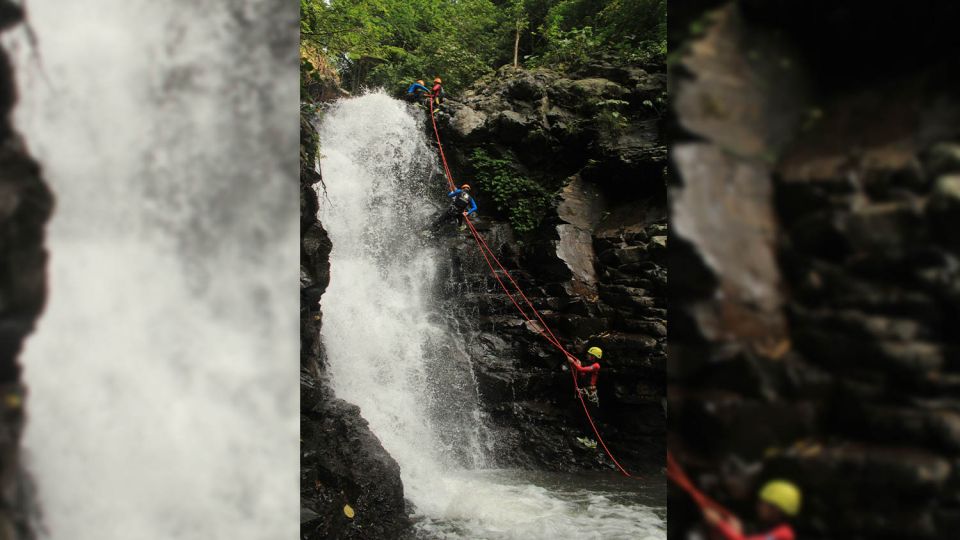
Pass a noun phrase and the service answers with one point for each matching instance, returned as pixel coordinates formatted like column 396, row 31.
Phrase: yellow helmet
column 437, row 80
column 782, row 494
column 465, row 187
column 595, row 351
column 419, row 81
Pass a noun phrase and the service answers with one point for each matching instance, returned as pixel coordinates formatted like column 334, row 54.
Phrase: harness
column 462, row 200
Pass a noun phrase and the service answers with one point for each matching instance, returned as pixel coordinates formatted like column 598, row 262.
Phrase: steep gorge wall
column 815, row 301
column 594, row 267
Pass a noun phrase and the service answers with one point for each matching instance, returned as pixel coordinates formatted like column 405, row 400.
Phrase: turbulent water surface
column 391, row 353
column 162, row 375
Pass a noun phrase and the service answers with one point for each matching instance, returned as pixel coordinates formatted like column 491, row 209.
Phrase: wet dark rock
column 936, row 428
column 833, row 232
column 556, row 126
column 576, row 326
column 495, row 387
column 468, row 124
column 512, row 126
column 342, row 462
column 607, row 199
column 744, row 426
column 525, row 87
column 25, row 206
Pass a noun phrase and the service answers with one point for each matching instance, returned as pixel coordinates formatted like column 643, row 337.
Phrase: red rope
column 443, row 157
column 543, row 329
column 679, row 477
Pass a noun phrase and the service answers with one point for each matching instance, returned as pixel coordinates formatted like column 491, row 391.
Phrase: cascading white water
column 390, row 353
column 379, row 331
column 161, row 375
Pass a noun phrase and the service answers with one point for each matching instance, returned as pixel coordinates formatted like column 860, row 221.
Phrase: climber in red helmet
column 437, row 92
column 461, row 206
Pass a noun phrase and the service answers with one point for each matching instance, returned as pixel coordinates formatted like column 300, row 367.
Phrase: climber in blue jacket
column 417, row 91
column 462, row 206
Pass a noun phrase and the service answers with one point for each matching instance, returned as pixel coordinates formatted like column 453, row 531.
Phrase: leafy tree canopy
column 391, row 43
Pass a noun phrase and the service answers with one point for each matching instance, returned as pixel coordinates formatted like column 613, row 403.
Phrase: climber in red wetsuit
column 437, row 92
column 777, row 501
column 590, row 390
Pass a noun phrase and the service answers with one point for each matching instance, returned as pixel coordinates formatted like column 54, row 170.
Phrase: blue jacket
column 417, row 86
column 473, row 203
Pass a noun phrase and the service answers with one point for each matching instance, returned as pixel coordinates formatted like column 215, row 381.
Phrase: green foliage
column 523, row 200
column 390, row 43
column 610, row 118
column 393, row 42
column 657, row 105
column 615, row 104
column 568, row 48
column 626, row 31
column 610, row 122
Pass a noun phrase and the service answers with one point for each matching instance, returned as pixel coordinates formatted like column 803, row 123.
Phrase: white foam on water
column 511, row 505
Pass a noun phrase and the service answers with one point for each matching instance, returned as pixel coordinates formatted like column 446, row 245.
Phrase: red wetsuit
column 583, row 370
column 780, row 532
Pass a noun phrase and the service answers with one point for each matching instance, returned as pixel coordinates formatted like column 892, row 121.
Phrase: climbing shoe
column 463, row 227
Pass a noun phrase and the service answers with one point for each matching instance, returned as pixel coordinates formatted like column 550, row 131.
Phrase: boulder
column 512, row 127
column 593, row 88
column 465, row 123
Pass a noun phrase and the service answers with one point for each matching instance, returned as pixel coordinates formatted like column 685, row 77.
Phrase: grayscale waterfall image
column 159, row 375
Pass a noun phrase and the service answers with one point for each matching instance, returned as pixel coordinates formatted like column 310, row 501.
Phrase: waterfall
column 387, row 349
column 160, row 374
column 391, row 353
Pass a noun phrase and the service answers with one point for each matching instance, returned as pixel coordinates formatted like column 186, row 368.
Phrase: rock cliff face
column 341, row 460
column 815, row 295
column 25, row 206
column 594, row 267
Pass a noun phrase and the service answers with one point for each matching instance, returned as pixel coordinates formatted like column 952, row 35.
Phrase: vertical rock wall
column 595, row 267
column 25, row 206
column 815, row 301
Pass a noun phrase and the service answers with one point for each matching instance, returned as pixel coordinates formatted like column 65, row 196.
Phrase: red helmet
column 437, row 80
column 465, row 187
